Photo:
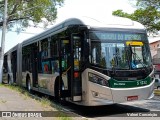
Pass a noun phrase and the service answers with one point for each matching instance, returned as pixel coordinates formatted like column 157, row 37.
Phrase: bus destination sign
column 117, row 36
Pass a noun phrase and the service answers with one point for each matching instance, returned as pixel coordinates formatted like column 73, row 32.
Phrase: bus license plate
column 131, row 98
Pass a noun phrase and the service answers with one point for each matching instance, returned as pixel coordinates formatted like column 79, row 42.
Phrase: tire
column 9, row 80
column 28, row 84
column 57, row 90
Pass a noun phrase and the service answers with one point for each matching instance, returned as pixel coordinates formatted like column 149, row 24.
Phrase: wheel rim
column 62, row 87
column 29, row 85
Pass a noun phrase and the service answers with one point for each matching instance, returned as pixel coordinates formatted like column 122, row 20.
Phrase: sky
column 90, row 8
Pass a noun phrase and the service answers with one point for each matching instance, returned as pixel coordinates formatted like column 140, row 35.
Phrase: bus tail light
column 97, row 79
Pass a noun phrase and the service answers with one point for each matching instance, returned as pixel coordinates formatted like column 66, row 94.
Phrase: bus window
column 45, row 67
column 44, row 47
column 54, row 48
column 26, row 57
column 65, row 53
column 77, row 52
column 54, row 55
column 55, row 66
column 45, row 59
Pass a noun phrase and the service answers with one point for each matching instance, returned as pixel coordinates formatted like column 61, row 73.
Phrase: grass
column 45, row 102
column 3, row 101
column 63, row 116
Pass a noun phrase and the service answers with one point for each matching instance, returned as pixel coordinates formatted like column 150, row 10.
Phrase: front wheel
column 57, row 89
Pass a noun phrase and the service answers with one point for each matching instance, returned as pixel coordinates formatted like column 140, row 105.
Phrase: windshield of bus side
column 109, row 50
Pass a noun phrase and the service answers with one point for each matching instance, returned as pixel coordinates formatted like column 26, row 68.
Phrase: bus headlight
column 97, row 79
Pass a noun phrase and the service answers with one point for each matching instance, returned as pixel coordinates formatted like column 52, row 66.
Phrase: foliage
column 147, row 3
column 24, row 11
column 147, row 13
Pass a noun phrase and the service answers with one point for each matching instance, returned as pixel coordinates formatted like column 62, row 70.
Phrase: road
column 118, row 111
column 20, row 102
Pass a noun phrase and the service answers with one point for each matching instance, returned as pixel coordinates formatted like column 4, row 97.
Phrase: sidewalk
column 11, row 100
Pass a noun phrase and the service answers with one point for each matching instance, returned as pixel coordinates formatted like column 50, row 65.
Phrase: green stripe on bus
column 129, row 83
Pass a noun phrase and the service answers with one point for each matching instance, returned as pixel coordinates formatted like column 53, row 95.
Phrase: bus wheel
column 28, row 84
column 57, row 89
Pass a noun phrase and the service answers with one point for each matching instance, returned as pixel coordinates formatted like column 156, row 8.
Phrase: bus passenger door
column 14, row 65
column 65, row 67
column 76, row 83
column 34, row 61
column 70, row 58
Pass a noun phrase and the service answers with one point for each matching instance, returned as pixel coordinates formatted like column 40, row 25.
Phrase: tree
column 147, row 3
column 23, row 11
column 147, row 13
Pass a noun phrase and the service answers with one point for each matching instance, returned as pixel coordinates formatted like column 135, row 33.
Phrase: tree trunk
column 3, row 41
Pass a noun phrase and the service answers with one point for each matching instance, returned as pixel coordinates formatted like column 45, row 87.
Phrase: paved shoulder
column 11, row 100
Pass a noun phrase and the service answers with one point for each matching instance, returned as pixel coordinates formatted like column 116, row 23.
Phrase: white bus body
column 71, row 62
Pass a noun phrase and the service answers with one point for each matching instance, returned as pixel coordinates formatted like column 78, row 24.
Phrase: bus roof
column 109, row 22
column 106, row 21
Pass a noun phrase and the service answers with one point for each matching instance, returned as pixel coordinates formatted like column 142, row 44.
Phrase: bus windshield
column 117, row 54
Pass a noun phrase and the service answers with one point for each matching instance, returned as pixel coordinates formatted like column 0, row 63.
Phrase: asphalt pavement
column 22, row 107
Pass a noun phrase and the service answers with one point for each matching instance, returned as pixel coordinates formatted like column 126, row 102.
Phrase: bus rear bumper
column 131, row 94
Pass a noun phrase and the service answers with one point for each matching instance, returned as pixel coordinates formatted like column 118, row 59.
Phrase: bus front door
column 76, row 83
column 70, row 52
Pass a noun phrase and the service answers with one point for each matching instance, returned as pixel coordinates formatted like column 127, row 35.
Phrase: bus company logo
column 119, row 84
column 6, row 114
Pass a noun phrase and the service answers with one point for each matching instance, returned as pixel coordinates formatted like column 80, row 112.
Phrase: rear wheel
column 9, row 79
column 28, row 84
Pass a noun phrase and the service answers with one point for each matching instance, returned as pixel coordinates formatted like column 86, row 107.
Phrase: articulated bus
column 85, row 61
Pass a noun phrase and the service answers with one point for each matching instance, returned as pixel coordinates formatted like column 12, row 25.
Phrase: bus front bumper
column 131, row 94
